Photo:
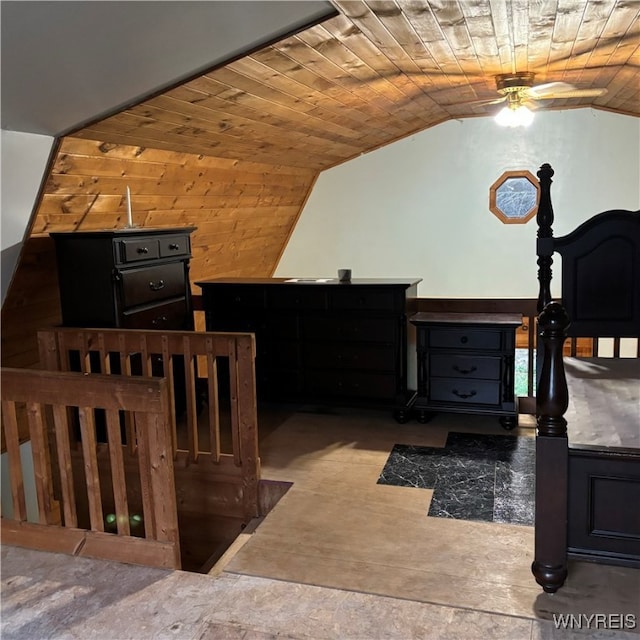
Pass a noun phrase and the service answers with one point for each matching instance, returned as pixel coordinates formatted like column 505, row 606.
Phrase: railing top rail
column 156, row 341
column 105, row 391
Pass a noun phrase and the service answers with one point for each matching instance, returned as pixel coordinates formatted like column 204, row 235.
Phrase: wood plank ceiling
column 235, row 152
column 384, row 69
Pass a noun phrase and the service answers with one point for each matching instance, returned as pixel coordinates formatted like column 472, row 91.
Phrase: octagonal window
column 513, row 197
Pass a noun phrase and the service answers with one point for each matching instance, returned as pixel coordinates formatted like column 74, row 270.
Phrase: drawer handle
column 142, row 250
column 156, row 286
column 464, row 396
column 464, row 372
column 159, row 320
column 464, row 339
column 174, row 247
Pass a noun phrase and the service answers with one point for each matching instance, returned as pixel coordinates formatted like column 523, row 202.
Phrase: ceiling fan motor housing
column 507, row 83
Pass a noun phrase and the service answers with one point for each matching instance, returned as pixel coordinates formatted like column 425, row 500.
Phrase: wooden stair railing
column 211, row 480
column 58, row 403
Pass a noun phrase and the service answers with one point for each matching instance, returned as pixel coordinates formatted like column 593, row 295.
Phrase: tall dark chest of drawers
column 128, row 278
column 466, row 364
column 326, row 343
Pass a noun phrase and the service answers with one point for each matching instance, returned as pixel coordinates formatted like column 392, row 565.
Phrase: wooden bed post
column 544, row 247
column 550, row 559
column 544, row 251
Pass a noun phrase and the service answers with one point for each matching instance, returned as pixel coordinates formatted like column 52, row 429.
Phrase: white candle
column 129, row 217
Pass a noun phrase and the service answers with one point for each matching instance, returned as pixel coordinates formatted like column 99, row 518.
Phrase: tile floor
column 340, row 556
column 474, row 476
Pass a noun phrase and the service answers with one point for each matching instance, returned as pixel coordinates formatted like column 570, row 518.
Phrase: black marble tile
column 514, row 495
column 410, row 466
column 473, row 477
column 464, row 490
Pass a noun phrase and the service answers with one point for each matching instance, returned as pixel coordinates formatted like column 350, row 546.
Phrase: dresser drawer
column 235, row 322
column 268, row 327
column 345, row 356
column 174, row 246
column 356, row 329
column 164, row 316
column 276, row 384
column 225, row 300
column 276, row 355
column 461, row 366
column 297, row 297
column 140, row 249
column 380, row 387
column 367, row 300
column 459, row 391
column 325, row 342
column 464, row 339
column 152, row 284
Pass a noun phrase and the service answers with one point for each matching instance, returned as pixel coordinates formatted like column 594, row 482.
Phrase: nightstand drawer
column 141, row 249
column 465, row 391
column 152, row 284
column 460, row 366
column 464, row 339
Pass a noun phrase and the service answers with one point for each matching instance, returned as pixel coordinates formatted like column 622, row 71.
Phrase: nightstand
column 466, row 364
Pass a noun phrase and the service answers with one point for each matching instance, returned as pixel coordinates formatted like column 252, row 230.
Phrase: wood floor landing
column 337, row 527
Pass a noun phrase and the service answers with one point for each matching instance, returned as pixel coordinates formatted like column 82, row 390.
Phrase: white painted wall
column 24, row 160
column 420, row 207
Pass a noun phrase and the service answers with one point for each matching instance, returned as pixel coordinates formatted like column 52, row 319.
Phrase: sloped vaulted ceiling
column 383, row 69
column 235, row 151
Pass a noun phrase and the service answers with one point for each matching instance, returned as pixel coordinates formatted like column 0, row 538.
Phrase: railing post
column 550, row 559
column 248, row 425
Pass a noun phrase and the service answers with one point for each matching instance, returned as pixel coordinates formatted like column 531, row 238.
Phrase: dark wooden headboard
column 600, row 268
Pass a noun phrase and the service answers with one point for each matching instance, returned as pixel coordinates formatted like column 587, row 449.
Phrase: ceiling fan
column 520, row 93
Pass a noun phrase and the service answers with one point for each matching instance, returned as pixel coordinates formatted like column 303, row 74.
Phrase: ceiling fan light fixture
column 512, row 87
column 519, row 116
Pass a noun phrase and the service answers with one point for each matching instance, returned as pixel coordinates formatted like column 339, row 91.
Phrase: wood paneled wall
column 32, row 302
column 244, row 212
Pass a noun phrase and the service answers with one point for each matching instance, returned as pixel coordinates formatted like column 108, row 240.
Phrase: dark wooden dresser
column 466, row 364
column 322, row 342
column 127, row 278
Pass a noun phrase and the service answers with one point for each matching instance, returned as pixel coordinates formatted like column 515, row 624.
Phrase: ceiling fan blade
column 531, row 104
column 552, row 90
column 486, row 102
column 541, row 90
column 577, row 93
